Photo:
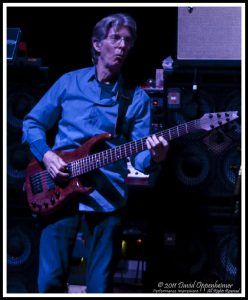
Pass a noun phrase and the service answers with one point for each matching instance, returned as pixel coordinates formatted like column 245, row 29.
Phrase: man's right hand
column 55, row 166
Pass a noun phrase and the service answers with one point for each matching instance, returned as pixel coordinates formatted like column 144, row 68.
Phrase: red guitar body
column 46, row 196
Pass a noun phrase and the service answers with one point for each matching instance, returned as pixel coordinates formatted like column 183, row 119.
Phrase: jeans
column 102, row 233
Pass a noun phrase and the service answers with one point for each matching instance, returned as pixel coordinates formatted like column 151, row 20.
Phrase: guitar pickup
column 49, row 181
column 36, row 184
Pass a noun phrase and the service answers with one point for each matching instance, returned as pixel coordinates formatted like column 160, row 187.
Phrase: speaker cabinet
column 22, row 254
column 201, row 254
column 208, row 34
column 25, row 86
column 205, row 163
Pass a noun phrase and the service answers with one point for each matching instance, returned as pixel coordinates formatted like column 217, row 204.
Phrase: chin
column 116, row 65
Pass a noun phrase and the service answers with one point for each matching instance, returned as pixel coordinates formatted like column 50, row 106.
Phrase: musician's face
column 114, row 49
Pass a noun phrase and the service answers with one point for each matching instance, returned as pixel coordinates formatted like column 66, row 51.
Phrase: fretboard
column 100, row 159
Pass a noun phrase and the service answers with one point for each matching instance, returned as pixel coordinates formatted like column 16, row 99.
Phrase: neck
column 105, row 74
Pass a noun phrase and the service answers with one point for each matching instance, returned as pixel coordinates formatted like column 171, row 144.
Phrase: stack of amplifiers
column 204, row 162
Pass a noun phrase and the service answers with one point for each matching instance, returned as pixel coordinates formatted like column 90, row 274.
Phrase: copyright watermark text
column 195, row 287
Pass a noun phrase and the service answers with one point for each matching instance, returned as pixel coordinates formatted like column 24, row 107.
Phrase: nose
column 122, row 42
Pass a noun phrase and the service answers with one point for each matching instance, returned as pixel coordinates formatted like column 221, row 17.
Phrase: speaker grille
column 209, row 33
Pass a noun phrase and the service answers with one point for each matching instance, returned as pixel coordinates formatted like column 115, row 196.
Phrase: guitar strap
column 125, row 98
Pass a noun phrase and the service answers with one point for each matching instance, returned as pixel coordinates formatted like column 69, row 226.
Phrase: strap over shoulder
column 125, row 98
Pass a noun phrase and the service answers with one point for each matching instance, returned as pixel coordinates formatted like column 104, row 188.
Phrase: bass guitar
column 46, row 196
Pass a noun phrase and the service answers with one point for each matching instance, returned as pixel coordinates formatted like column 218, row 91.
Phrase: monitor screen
column 13, row 38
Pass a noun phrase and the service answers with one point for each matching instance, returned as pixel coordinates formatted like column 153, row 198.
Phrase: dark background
column 61, row 36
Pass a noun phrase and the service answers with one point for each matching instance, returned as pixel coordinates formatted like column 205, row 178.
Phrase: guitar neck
column 100, row 159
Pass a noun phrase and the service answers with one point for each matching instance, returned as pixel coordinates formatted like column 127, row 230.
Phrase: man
column 86, row 103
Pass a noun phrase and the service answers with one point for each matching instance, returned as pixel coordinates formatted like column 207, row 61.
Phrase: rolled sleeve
column 39, row 148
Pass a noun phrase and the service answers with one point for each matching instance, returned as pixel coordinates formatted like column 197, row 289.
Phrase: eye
column 128, row 40
column 115, row 37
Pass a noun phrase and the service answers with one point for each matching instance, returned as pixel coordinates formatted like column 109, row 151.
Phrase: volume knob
column 52, row 200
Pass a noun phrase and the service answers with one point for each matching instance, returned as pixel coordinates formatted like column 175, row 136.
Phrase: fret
column 110, row 155
column 118, row 153
column 115, row 153
column 82, row 166
column 86, row 163
column 71, row 169
column 88, row 168
column 186, row 126
column 172, row 132
column 136, row 146
column 165, row 134
column 124, row 152
column 181, row 129
column 121, row 152
column 131, row 149
column 75, row 166
column 78, row 166
column 99, row 159
column 104, row 158
column 143, row 144
column 136, row 149
column 92, row 162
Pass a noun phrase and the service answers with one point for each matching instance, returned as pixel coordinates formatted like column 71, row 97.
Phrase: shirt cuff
column 39, row 148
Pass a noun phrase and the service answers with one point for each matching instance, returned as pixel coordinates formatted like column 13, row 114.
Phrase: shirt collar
column 92, row 74
column 117, row 86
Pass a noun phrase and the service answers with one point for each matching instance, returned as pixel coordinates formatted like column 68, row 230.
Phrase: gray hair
column 102, row 28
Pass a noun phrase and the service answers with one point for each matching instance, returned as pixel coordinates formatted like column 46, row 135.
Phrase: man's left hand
column 158, row 147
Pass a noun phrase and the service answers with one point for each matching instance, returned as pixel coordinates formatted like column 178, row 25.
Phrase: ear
column 97, row 45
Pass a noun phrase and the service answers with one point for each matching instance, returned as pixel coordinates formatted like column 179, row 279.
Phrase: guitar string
column 84, row 163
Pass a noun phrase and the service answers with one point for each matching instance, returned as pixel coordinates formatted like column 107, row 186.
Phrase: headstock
column 210, row 121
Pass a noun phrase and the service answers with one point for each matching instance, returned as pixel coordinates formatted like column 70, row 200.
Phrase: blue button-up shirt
column 75, row 100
